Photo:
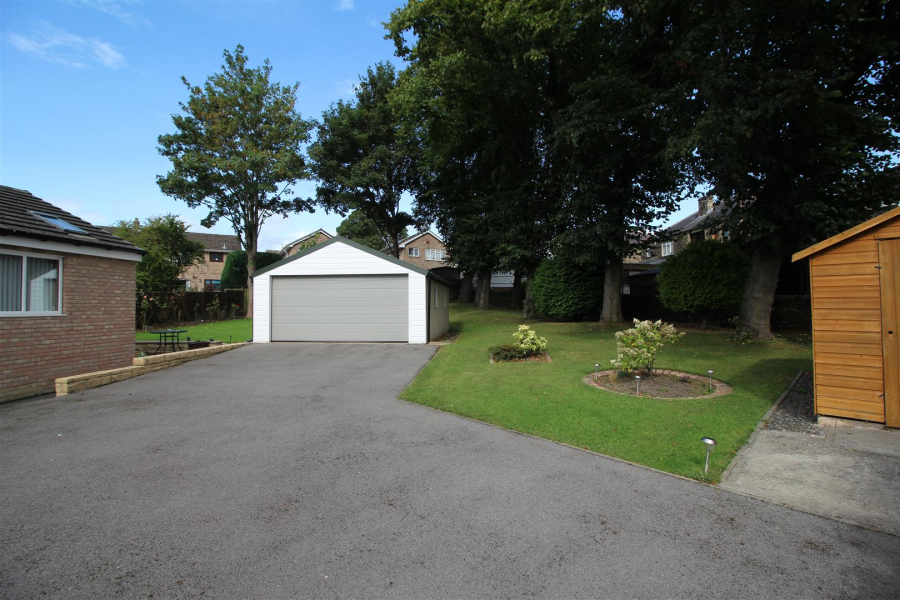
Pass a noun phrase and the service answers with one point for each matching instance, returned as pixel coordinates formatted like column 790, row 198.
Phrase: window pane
column 10, row 282
column 42, row 293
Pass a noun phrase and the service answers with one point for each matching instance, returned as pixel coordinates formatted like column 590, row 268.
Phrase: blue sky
column 86, row 86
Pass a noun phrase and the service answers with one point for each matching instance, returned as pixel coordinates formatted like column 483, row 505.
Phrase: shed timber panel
column 855, row 372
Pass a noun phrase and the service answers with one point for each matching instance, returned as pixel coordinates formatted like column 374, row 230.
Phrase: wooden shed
column 855, row 288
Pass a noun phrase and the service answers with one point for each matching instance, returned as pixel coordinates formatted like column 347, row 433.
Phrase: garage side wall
column 339, row 259
column 439, row 310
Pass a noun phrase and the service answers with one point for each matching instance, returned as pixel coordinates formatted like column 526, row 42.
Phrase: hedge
column 567, row 291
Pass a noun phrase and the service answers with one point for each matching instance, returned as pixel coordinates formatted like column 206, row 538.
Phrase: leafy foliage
column 639, row 347
column 359, row 228
column 528, row 341
column 169, row 251
column 507, row 353
column 361, row 162
column 237, row 149
column 566, row 291
column 234, row 271
column 705, row 279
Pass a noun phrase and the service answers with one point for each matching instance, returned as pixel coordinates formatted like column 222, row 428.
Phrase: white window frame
column 430, row 254
column 668, row 248
column 35, row 313
column 414, row 252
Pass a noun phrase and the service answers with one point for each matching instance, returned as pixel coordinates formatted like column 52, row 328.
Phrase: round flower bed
column 664, row 385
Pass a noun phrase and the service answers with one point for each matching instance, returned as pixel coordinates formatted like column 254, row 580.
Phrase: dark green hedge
column 567, row 291
column 705, row 280
column 234, row 272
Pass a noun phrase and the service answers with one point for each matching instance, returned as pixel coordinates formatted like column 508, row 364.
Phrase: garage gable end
column 340, row 240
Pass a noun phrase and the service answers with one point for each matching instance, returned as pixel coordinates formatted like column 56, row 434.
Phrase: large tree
column 796, row 124
column 359, row 228
column 169, row 251
column 478, row 120
column 237, row 150
column 360, row 161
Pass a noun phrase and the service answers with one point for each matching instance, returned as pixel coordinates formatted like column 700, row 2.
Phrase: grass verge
column 551, row 401
column 238, row 329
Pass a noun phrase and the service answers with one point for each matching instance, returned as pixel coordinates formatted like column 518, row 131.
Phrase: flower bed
column 664, row 385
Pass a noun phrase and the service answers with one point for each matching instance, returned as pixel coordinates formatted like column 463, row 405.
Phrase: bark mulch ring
column 664, row 385
column 542, row 357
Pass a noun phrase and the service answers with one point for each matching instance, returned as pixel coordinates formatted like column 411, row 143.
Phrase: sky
column 87, row 86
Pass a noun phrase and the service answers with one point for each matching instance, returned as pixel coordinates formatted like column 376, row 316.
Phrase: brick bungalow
column 66, row 296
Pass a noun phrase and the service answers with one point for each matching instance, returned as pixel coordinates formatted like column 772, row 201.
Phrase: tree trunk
column 612, row 291
column 251, row 266
column 483, row 289
column 465, row 287
column 529, row 312
column 759, row 295
column 515, row 298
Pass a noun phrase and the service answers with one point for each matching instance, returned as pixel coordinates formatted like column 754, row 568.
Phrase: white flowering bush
column 639, row 347
column 528, row 341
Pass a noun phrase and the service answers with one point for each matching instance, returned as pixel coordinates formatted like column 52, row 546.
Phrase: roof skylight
column 57, row 222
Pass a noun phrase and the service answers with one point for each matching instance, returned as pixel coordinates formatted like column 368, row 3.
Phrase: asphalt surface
column 277, row 471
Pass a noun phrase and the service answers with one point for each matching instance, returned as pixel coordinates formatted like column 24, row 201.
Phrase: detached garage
column 341, row 291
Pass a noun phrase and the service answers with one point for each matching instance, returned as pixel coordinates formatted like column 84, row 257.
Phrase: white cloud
column 343, row 5
column 116, row 8
column 346, row 87
column 56, row 45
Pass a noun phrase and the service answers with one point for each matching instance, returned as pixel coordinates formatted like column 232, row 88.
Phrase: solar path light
column 596, row 370
column 709, row 374
column 710, row 445
column 637, row 378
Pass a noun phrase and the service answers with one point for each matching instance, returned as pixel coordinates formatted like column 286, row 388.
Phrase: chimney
column 137, row 224
column 705, row 205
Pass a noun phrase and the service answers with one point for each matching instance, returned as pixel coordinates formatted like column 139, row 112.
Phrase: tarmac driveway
column 293, row 471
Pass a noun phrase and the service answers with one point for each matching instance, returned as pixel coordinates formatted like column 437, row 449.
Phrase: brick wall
column 426, row 241
column 96, row 333
column 320, row 237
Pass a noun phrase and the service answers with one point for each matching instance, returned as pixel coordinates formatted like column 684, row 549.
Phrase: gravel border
column 796, row 412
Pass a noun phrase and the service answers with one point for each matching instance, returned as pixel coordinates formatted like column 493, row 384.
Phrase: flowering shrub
column 639, row 346
column 528, row 341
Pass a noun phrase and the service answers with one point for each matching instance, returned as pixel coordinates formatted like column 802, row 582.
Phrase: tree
column 796, row 121
column 234, row 271
column 477, row 118
column 704, row 280
column 359, row 228
column 360, row 161
column 169, row 251
column 237, row 150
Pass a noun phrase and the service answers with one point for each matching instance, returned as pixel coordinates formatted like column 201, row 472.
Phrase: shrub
column 705, row 280
column 234, row 271
column 507, row 353
column 528, row 342
column 567, row 291
column 638, row 348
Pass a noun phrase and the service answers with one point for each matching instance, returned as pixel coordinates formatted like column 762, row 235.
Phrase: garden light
column 710, row 372
column 710, row 445
column 637, row 378
column 596, row 370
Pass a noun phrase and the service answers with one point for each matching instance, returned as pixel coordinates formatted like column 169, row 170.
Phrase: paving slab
column 846, row 473
column 293, row 471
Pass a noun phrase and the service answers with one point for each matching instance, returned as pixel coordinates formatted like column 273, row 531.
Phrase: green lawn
column 550, row 400
column 238, row 329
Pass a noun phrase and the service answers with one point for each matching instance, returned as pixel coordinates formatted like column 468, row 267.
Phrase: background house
column 207, row 275
column 307, row 241
column 66, row 296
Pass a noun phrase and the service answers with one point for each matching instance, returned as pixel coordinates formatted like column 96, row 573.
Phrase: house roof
column 216, row 242
column 338, row 239
column 695, row 220
column 416, row 236
column 19, row 211
column 844, row 235
column 300, row 240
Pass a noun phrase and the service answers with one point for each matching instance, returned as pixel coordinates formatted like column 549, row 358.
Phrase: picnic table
column 169, row 337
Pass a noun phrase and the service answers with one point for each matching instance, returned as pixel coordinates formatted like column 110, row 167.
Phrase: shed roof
column 845, row 235
column 19, row 215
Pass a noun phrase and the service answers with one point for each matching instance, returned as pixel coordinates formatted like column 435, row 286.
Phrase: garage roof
column 338, row 239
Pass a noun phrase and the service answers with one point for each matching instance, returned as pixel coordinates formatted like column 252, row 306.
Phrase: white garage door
column 354, row 308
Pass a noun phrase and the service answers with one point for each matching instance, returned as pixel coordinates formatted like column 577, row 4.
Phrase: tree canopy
column 359, row 228
column 361, row 163
column 169, row 251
